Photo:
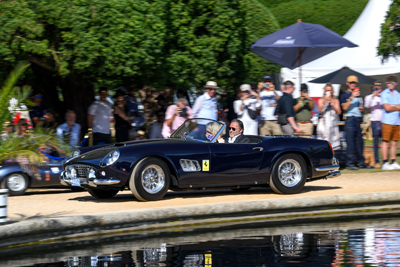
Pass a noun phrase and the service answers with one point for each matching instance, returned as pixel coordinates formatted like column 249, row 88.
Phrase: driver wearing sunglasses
column 236, row 133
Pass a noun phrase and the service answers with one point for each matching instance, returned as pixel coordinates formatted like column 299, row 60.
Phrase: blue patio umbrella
column 299, row 44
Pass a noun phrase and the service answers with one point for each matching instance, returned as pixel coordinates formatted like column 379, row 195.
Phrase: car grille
column 82, row 171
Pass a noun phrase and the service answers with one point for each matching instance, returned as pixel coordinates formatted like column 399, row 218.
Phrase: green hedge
column 336, row 15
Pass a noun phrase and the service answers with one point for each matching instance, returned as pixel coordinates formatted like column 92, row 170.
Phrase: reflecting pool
column 355, row 243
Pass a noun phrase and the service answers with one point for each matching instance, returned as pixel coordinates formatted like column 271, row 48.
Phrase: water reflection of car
column 18, row 179
column 192, row 160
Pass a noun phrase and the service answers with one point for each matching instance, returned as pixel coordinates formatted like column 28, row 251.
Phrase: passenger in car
column 212, row 129
column 236, row 132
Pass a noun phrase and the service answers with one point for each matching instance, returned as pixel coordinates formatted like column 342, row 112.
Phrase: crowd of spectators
column 259, row 108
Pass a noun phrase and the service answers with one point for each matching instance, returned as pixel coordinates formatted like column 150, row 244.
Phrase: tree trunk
column 78, row 96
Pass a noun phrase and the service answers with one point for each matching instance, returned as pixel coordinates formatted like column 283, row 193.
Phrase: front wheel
column 150, row 179
column 289, row 174
column 16, row 183
column 97, row 193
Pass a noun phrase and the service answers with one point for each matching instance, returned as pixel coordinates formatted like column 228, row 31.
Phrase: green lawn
column 370, row 143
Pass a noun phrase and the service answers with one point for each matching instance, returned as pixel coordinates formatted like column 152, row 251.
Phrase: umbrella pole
column 300, row 73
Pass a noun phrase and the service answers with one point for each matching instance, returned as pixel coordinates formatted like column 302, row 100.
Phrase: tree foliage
column 336, row 15
column 171, row 42
column 390, row 32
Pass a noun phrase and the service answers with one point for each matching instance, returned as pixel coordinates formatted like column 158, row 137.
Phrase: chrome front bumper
column 333, row 170
column 91, row 182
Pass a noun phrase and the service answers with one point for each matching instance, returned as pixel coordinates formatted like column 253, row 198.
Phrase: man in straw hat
column 206, row 105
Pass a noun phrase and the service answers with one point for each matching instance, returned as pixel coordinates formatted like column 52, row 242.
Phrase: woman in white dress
column 329, row 109
column 246, row 109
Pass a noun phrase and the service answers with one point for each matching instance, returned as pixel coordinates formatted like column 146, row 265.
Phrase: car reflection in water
column 284, row 249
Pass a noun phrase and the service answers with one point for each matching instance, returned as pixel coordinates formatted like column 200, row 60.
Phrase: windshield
column 200, row 129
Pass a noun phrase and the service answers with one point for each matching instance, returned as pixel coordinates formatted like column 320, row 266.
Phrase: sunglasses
column 392, row 83
column 353, row 82
column 232, row 128
column 378, row 84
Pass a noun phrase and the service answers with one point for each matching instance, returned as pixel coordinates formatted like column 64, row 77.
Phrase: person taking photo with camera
column 303, row 107
column 269, row 99
column 352, row 105
column 246, row 109
column 175, row 116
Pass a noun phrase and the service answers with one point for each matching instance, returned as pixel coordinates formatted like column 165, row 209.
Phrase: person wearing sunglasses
column 236, row 132
column 390, row 123
column 352, row 105
column 374, row 103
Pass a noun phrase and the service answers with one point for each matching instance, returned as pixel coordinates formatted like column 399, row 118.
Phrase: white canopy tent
column 366, row 33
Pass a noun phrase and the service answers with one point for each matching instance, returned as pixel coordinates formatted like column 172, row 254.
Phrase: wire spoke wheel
column 150, row 179
column 16, row 183
column 290, row 173
column 153, row 179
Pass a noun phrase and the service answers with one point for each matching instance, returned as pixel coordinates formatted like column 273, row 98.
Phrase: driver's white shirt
column 232, row 139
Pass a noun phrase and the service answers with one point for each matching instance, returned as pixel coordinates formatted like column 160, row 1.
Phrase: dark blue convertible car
column 193, row 160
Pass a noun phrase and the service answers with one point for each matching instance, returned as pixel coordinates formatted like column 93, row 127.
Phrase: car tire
column 289, row 174
column 16, row 183
column 98, row 193
column 150, row 179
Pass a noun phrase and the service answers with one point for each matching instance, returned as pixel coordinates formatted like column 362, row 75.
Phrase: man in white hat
column 206, row 105
column 247, row 109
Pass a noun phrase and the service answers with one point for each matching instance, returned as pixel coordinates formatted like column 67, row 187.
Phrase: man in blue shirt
column 390, row 123
column 206, row 105
column 70, row 131
column 352, row 104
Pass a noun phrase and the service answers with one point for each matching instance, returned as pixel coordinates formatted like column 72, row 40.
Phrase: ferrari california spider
column 194, row 159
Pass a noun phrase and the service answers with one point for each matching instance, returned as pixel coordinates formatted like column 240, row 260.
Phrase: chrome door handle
column 259, row 148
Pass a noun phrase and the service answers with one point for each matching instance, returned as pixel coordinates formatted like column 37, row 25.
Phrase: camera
column 266, row 84
column 376, row 89
column 183, row 113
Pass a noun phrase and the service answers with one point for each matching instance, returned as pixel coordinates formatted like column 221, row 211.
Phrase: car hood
column 94, row 157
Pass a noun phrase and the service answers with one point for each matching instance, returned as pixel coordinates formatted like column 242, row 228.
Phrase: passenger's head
column 212, row 129
column 289, row 87
column 235, row 128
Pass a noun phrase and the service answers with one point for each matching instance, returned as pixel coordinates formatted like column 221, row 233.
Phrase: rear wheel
column 16, row 183
column 289, row 174
column 150, row 179
column 98, row 193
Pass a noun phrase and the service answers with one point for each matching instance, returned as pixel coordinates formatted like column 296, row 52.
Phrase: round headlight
column 75, row 153
column 110, row 158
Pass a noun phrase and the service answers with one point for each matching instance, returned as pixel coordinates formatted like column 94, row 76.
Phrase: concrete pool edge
column 287, row 209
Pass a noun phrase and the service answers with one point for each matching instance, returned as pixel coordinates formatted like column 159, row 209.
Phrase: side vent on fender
column 189, row 165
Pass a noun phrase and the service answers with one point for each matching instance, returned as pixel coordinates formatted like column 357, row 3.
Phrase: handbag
column 282, row 119
column 252, row 113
